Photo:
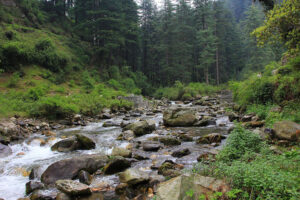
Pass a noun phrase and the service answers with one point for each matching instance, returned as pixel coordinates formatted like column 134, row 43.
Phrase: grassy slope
column 38, row 89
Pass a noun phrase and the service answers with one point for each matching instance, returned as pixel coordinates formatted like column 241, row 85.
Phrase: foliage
column 274, row 85
column 253, row 170
column 282, row 24
column 185, row 92
column 240, row 143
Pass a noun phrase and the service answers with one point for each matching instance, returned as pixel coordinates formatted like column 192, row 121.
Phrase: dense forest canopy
column 187, row 41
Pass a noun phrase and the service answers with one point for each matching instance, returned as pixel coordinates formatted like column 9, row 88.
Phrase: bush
column 56, row 107
column 241, row 143
column 13, row 81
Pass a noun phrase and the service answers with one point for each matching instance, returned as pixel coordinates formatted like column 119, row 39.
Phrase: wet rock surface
column 73, row 188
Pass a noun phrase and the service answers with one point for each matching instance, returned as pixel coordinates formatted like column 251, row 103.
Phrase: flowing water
column 14, row 170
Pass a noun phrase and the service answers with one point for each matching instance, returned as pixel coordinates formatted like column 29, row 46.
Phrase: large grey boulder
column 5, row 151
column 176, row 188
column 69, row 168
column 73, row 188
column 179, row 117
column 287, row 130
column 118, row 151
column 141, row 127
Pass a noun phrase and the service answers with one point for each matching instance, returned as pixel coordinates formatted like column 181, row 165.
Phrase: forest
column 154, row 99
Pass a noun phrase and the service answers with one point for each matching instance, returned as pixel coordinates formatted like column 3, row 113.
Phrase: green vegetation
column 273, row 95
column 253, row 169
column 186, row 92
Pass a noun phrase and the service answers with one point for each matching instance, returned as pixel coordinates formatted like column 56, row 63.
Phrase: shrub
column 87, row 81
column 241, row 143
column 13, row 81
column 55, row 107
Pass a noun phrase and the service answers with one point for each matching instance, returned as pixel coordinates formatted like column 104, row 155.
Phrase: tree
column 282, row 23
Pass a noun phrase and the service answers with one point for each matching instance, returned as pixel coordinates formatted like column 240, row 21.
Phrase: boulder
column 117, row 151
column 287, row 130
column 185, row 138
column 5, row 151
column 85, row 142
column 206, row 122
column 210, row 138
column 133, row 176
column 115, row 165
column 176, row 188
column 62, row 196
column 233, row 116
column 9, row 131
column 66, row 145
column 179, row 117
column 73, row 188
column 141, row 127
column 181, row 152
column 69, row 168
column 169, row 141
column 151, row 146
column 85, row 177
column 79, row 142
column 43, row 195
column 32, row 186
column 170, row 169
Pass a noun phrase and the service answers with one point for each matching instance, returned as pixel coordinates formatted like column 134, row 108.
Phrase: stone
column 210, row 138
column 179, row 117
column 117, row 151
column 121, row 188
column 176, row 188
column 85, row 142
column 255, row 124
column 79, row 142
column 32, row 186
column 85, row 177
column 110, row 123
column 287, row 130
column 62, row 196
column 185, row 138
column 170, row 169
column 169, row 141
column 69, row 168
column 181, row 152
column 151, row 146
column 73, row 188
column 205, row 122
column 133, row 176
column 232, row 116
column 66, row 145
column 141, row 127
column 208, row 156
column 115, row 165
column 5, row 151
column 49, row 133
column 43, row 195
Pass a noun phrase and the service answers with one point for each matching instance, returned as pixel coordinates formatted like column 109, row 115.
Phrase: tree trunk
column 217, row 66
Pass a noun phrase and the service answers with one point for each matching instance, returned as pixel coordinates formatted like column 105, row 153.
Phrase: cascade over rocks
column 179, row 117
column 69, row 168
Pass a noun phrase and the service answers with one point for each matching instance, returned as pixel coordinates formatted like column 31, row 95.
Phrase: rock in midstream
column 69, row 168
column 141, row 127
column 179, row 117
column 73, row 188
column 79, row 142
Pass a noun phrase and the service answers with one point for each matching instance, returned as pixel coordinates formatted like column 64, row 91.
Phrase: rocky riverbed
column 123, row 155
